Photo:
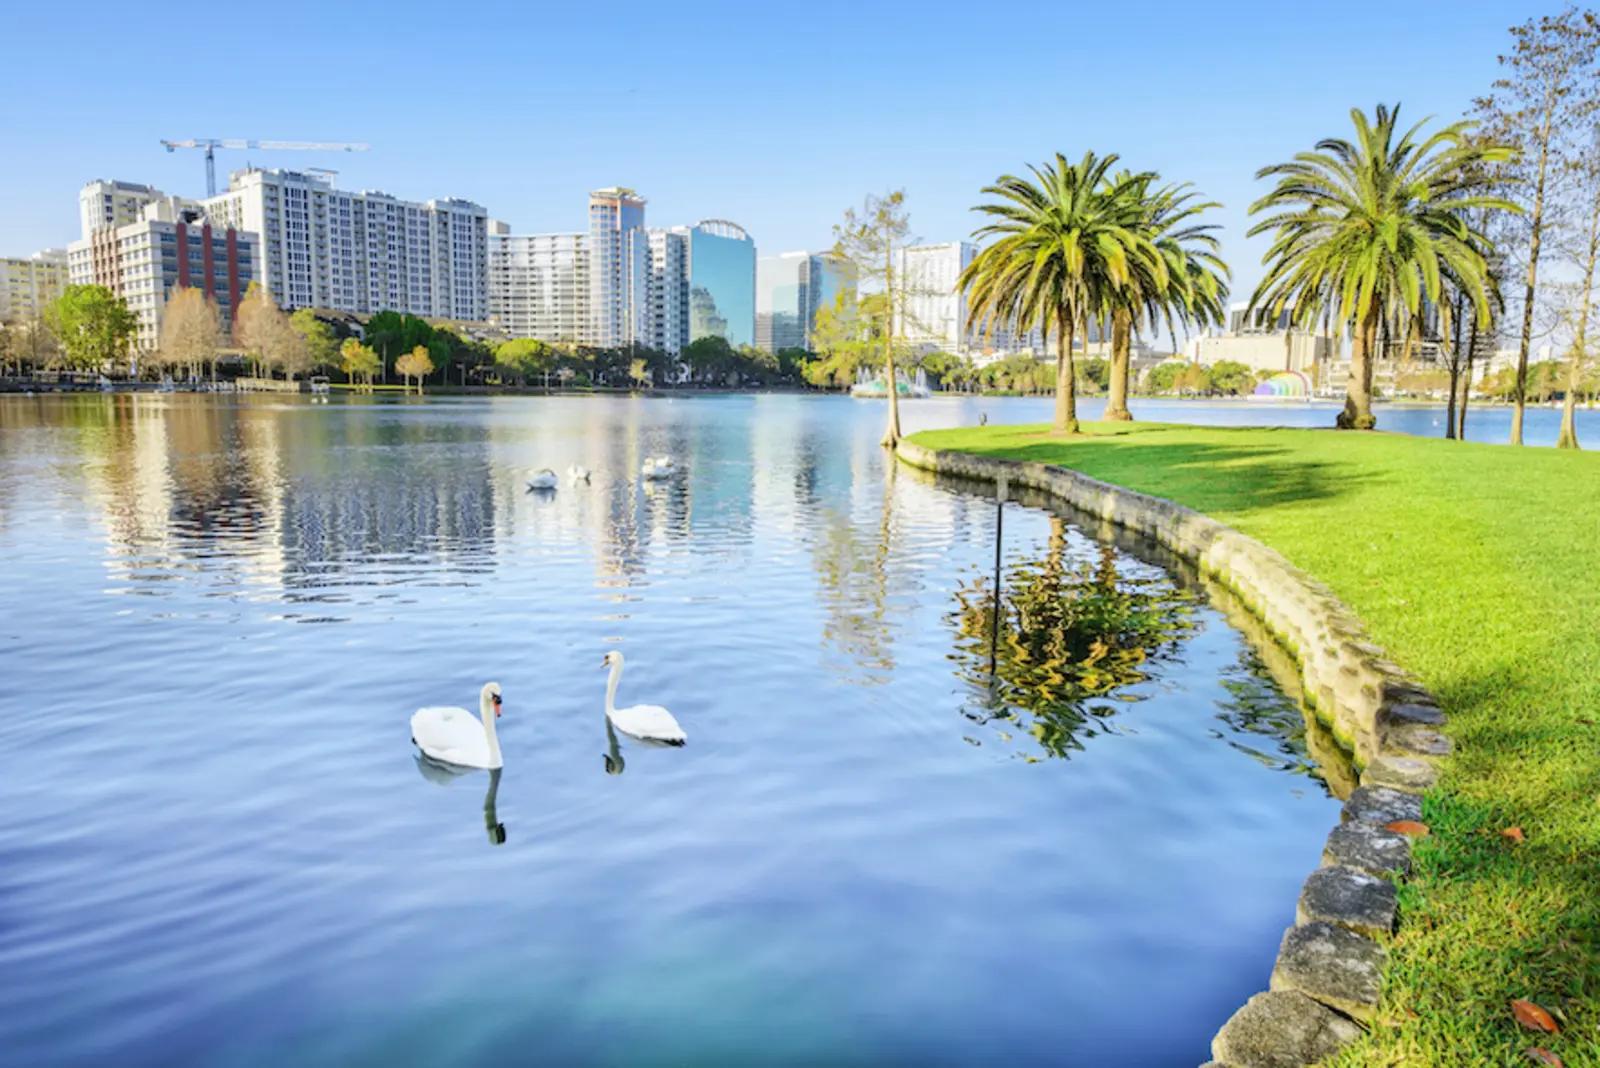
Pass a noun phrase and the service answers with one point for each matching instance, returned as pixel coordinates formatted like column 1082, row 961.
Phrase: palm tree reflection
column 1069, row 632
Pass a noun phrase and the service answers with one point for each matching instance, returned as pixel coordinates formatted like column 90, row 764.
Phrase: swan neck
column 486, row 713
column 611, row 688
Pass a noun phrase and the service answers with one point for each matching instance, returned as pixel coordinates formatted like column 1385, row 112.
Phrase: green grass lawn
column 1478, row 568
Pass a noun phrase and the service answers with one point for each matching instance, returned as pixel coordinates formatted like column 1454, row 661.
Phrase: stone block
column 1348, row 898
column 1379, row 805
column 1369, row 848
column 1400, row 772
column 1405, row 713
column 1416, row 740
column 1281, row 1029
column 1333, row 965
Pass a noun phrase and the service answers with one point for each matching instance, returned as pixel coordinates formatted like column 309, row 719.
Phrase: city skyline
column 518, row 137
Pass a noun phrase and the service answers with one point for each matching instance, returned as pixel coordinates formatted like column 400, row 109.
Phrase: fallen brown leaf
column 1408, row 827
column 1533, row 1017
column 1513, row 833
column 1540, row 1055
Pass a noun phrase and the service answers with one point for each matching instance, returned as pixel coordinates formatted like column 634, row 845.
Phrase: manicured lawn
column 1478, row 568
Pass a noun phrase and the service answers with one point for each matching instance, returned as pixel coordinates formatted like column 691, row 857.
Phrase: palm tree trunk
column 1455, row 366
column 1466, row 385
column 1066, row 421
column 1357, row 413
column 1121, row 346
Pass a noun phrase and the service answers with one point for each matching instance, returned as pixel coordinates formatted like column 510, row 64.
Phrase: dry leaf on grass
column 1533, row 1017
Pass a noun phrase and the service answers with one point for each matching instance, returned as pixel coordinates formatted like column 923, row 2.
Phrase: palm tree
column 1065, row 243
column 1371, row 228
column 1196, row 280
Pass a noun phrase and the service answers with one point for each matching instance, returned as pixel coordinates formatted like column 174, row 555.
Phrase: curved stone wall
column 1326, row 981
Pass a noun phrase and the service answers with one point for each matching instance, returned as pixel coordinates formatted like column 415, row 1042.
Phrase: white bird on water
column 647, row 723
column 577, row 473
column 543, row 479
column 452, row 736
column 659, row 467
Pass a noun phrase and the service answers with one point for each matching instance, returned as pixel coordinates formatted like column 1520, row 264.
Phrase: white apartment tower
column 932, row 311
column 103, row 203
column 29, row 283
column 539, row 284
column 618, row 267
column 360, row 252
column 667, row 313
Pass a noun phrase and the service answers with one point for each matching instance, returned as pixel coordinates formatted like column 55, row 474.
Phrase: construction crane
column 211, row 144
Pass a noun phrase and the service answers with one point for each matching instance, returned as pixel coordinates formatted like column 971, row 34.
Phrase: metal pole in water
column 999, row 529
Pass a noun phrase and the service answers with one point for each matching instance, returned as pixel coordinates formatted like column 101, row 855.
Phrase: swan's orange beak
column 496, row 706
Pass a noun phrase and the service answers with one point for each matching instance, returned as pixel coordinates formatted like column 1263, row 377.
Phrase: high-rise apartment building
column 618, row 267
column 667, row 309
column 790, row 287
column 625, row 284
column 360, row 252
column 931, row 312
column 539, row 284
column 29, row 283
column 722, row 282
column 104, row 202
column 172, row 244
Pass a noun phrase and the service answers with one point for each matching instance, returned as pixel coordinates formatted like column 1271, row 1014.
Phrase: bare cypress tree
column 1547, row 92
column 191, row 331
column 1579, row 243
column 867, row 240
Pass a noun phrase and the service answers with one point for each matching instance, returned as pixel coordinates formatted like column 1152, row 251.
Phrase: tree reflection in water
column 1070, row 632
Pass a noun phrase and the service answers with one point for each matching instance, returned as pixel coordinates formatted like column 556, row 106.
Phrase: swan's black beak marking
column 497, row 705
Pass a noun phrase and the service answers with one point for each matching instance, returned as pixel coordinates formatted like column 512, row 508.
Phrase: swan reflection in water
column 436, row 771
column 614, row 762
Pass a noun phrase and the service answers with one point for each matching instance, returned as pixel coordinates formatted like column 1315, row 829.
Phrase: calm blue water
column 216, row 846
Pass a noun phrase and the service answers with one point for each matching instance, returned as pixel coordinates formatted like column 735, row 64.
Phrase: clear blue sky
column 776, row 116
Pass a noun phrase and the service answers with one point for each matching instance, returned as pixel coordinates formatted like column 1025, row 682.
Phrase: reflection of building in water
column 260, row 495
column 390, row 489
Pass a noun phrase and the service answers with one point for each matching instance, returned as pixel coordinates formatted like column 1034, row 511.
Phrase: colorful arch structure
column 1285, row 385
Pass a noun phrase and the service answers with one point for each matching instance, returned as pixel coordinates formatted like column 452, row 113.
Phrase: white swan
column 577, row 473
column 659, row 467
column 543, row 479
column 647, row 723
column 452, row 736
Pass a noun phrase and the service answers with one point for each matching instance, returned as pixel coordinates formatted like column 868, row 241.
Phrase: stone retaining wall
column 1326, row 982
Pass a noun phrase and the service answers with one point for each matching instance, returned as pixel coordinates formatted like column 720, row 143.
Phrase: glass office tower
column 722, row 282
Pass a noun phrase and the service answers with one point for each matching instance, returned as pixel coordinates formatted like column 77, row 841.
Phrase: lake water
column 217, row 846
